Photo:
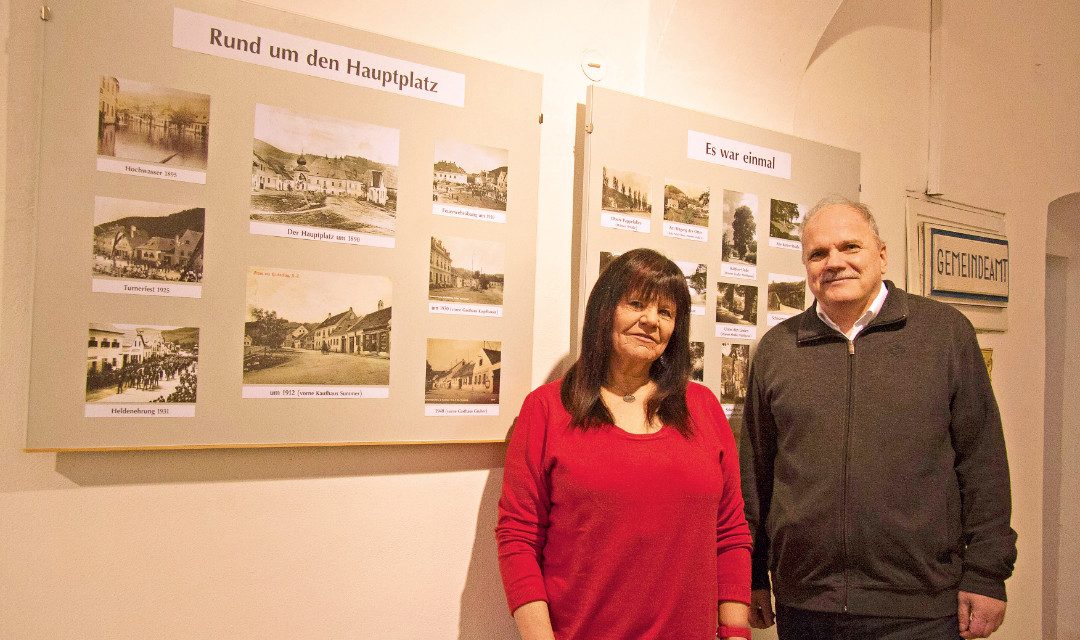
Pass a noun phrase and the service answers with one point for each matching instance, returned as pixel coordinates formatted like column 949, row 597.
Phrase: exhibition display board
column 724, row 200
column 259, row 229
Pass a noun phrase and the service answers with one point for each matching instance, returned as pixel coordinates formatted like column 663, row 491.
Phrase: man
column 874, row 469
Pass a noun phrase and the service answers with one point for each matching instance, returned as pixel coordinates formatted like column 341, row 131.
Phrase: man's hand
column 979, row 615
column 761, row 613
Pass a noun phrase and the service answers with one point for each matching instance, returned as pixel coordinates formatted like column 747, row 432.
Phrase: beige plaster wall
column 396, row 542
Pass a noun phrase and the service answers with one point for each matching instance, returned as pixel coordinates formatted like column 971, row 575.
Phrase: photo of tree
column 736, row 303
column 734, row 372
column 697, row 361
column 145, row 122
column 470, row 175
column 697, row 280
column 686, row 203
column 135, row 364
column 785, row 220
column 740, row 228
column 139, row 240
column 626, row 192
column 316, row 328
column 319, row 171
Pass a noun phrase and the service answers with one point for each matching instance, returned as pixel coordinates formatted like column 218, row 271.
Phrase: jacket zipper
column 847, row 455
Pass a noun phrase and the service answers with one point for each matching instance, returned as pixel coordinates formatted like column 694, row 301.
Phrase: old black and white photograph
column 739, row 247
column 686, row 203
column 164, row 128
column 697, row 361
column 316, row 328
column 787, row 294
column 466, row 271
column 137, row 242
column 463, row 372
column 626, row 192
column 605, row 259
column 697, row 280
column 311, row 172
column 736, row 303
column 469, row 176
column 734, row 372
column 785, row 224
column 131, row 364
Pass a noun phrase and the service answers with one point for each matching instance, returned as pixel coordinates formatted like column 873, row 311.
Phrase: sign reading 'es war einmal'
column 737, row 154
column 967, row 266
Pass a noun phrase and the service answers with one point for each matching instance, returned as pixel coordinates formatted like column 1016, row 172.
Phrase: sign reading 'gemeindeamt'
column 737, row 154
column 967, row 266
column 248, row 43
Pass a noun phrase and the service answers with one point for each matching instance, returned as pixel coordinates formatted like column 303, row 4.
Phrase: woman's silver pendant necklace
column 628, row 398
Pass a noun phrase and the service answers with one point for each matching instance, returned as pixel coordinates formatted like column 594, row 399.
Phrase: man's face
column 844, row 261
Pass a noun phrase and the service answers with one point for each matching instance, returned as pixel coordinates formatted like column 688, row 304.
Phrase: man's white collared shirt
column 866, row 318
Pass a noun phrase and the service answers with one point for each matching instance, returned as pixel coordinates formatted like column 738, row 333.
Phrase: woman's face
column 641, row 330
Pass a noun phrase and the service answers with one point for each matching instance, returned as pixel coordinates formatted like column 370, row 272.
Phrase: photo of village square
column 318, row 171
column 463, row 371
column 697, row 361
column 470, row 175
column 316, row 328
column 134, row 239
column 734, row 372
column 686, row 203
column 785, row 220
column 149, row 123
column 133, row 364
column 736, row 303
column 740, row 228
column 697, row 280
column 626, row 192
column 465, row 271
column 787, row 294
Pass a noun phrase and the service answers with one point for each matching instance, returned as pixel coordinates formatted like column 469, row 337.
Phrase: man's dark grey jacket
column 878, row 467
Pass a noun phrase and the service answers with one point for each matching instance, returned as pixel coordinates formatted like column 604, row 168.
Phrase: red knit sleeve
column 524, row 507
column 733, row 540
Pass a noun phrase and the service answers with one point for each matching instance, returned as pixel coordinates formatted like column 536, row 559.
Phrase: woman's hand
column 534, row 621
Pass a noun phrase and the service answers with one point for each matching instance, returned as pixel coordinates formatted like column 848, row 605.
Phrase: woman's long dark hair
column 648, row 276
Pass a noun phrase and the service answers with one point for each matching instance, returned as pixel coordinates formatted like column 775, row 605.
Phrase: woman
column 621, row 516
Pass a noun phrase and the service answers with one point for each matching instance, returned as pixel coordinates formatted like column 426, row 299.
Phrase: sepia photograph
column 736, row 303
column 465, row 271
column 316, row 328
column 734, row 372
column 605, row 259
column 462, row 371
column 686, row 203
column 697, row 280
column 626, row 192
column 740, row 228
column 138, row 364
column 785, row 220
column 318, row 171
column 138, row 240
column 697, row 361
column 470, row 175
column 149, row 123
column 787, row 294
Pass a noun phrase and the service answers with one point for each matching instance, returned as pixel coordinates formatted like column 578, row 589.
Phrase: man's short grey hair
column 842, row 201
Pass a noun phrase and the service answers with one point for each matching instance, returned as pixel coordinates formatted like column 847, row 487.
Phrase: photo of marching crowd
column 319, row 171
column 141, row 240
column 131, row 364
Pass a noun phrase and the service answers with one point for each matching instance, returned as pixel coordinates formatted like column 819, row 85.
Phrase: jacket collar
column 894, row 310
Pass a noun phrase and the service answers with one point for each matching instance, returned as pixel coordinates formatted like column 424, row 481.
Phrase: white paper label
column 686, row 231
column 323, row 235
column 625, row 222
column 147, row 288
column 468, row 213
column 150, row 170
column 439, row 410
column 736, row 331
column 313, row 392
column 153, row 410
column 737, row 154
